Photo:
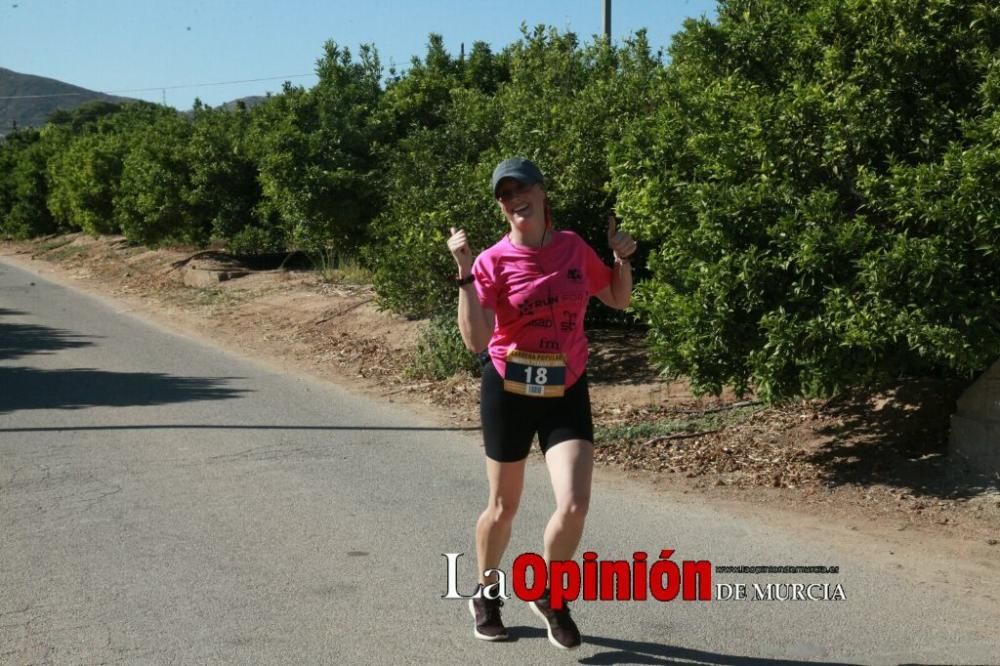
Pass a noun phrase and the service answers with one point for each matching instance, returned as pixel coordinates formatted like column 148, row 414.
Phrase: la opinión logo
column 593, row 579
column 780, row 592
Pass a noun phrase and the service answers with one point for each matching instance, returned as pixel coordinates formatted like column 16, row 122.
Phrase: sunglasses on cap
column 505, row 194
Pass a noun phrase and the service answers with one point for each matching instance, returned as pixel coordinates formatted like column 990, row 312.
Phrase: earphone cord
column 552, row 309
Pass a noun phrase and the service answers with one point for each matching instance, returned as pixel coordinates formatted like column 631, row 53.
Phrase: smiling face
column 523, row 206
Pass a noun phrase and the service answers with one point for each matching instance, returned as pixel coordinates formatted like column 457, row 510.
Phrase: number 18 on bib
column 535, row 375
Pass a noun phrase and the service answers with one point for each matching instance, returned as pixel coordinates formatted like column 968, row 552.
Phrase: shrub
column 813, row 181
column 154, row 204
column 24, row 185
column 440, row 351
column 315, row 153
column 85, row 179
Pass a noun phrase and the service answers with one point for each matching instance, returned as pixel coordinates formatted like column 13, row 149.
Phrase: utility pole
column 607, row 20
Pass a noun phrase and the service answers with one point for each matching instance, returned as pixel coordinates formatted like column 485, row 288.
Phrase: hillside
column 38, row 97
column 249, row 102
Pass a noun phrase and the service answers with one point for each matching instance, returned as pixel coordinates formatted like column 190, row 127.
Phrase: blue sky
column 125, row 45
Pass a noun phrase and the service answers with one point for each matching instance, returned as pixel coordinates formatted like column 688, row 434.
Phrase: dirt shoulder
column 866, row 471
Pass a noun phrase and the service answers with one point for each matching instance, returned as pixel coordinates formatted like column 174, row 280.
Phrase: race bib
column 535, row 375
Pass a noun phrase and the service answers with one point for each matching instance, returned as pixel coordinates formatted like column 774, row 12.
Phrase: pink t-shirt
column 540, row 297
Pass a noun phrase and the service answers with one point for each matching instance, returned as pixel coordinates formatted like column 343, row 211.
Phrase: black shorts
column 510, row 421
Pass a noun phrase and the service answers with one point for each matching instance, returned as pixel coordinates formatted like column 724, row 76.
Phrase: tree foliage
column 434, row 177
column 547, row 98
column 24, row 185
column 155, row 203
column 225, row 189
column 813, row 181
column 314, row 152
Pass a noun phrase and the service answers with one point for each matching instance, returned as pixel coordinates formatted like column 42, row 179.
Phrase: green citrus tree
column 814, row 179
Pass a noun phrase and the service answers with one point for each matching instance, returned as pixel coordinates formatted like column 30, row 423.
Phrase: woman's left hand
column 620, row 242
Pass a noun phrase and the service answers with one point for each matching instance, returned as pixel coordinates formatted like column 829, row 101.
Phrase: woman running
column 524, row 300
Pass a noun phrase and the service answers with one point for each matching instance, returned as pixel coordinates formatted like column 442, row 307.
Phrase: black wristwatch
column 468, row 279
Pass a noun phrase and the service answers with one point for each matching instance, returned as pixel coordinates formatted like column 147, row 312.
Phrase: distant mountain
column 232, row 105
column 250, row 102
column 37, row 97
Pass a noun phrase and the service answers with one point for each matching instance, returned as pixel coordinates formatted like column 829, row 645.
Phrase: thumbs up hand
column 458, row 245
column 620, row 242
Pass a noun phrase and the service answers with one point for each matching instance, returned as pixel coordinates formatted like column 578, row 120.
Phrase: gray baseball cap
column 518, row 168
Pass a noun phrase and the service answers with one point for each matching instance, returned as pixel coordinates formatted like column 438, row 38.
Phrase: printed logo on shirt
column 548, row 345
column 569, row 323
column 527, row 308
column 575, row 275
column 541, row 323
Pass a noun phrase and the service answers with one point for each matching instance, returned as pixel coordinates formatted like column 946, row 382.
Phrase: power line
column 155, row 88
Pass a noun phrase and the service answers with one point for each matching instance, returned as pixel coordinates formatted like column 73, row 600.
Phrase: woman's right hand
column 474, row 321
column 458, row 245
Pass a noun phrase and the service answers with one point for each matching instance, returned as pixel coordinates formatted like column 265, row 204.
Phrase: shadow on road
column 31, row 388
column 34, row 388
column 17, row 340
column 223, row 426
column 641, row 652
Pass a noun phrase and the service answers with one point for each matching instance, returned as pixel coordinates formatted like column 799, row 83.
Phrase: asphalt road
column 166, row 502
